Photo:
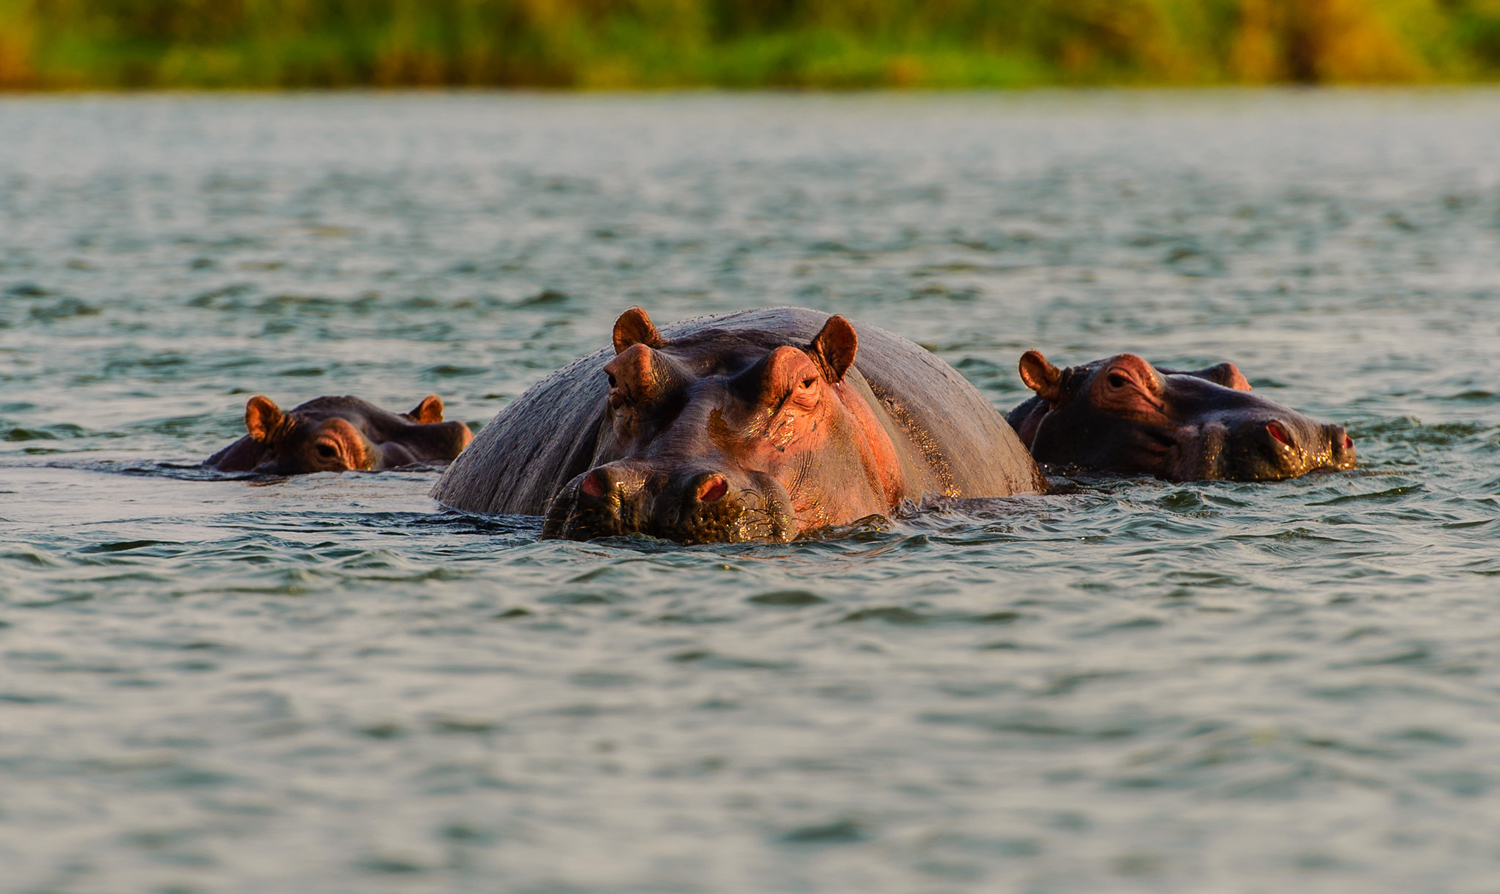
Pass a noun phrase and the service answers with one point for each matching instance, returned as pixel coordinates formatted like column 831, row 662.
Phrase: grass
column 61, row 44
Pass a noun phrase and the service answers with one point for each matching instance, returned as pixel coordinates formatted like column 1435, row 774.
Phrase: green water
column 331, row 684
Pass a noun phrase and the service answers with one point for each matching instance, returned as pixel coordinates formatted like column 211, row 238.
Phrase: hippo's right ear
column 262, row 418
column 1226, row 374
column 635, row 328
column 1041, row 376
column 430, row 410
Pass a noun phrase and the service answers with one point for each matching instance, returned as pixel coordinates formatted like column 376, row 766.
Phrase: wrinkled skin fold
column 757, row 426
column 340, row 434
column 1123, row 415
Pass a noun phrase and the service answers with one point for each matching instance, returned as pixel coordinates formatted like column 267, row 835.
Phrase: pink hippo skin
column 340, row 434
column 759, row 425
column 1123, row 415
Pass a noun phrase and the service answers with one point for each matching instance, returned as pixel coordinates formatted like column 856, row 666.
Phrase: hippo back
column 955, row 443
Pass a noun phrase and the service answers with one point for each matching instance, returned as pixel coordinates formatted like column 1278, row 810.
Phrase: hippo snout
column 605, row 501
column 1285, row 446
column 692, row 506
column 1341, row 447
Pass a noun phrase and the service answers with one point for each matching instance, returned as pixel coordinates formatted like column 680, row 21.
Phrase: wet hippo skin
column 340, row 434
column 1121, row 414
column 757, row 425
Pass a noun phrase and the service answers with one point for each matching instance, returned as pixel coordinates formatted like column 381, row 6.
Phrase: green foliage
column 740, row 43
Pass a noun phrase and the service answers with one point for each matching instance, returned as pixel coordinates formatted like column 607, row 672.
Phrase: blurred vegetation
column 740, row 43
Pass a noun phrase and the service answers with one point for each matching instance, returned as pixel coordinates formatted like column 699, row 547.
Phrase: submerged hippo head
column 729, row 436
column 340, row 434
column 1124, row 415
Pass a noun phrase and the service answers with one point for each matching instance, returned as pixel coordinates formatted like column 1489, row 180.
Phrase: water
column 330, row 684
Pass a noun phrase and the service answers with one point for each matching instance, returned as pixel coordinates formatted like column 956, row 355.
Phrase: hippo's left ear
column 263, row 419
column 834, row 347
column 1041, row 376
column 430, row 410
column 635, row 328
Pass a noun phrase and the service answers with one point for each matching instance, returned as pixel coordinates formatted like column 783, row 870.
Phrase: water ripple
column 1125, row 684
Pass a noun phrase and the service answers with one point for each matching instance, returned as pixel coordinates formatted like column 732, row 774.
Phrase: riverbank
column 113, row 44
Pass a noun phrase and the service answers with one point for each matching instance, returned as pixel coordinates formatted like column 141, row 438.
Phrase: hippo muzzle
column 1261, row 447
column 688, row 506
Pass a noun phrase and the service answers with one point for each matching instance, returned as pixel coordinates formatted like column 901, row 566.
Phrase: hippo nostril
column 594, row 485
column 712, row 488
column 1279, row 432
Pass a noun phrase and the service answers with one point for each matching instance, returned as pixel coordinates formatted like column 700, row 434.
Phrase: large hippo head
column 724, row 436
column 1124, row 415
column 340, row 434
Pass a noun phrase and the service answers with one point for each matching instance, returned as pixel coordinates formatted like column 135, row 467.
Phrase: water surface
column 331, row 684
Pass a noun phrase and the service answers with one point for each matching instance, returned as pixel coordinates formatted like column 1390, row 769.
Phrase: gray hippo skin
column 756, row 425
column 340, row 434
column 1123, row 415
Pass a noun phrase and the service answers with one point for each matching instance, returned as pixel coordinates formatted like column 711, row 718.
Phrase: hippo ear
column 262, row 418
column 1226, row 374
column 635, row 328
column 1041, row 376
column 430, row 410
column 834, row 347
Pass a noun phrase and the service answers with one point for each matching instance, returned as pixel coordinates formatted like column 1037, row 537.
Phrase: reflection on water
column 328, row 682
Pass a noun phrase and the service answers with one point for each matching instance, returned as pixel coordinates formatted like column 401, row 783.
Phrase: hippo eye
column 809, row 382
column 611, row 379
column 327, row 451
column 1118, row 380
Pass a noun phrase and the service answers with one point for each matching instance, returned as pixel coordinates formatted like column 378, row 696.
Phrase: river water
column 330, row 684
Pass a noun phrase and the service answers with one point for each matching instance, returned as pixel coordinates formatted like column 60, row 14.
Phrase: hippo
column 761, row 425
column 1121, row 414
column 339, row 434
